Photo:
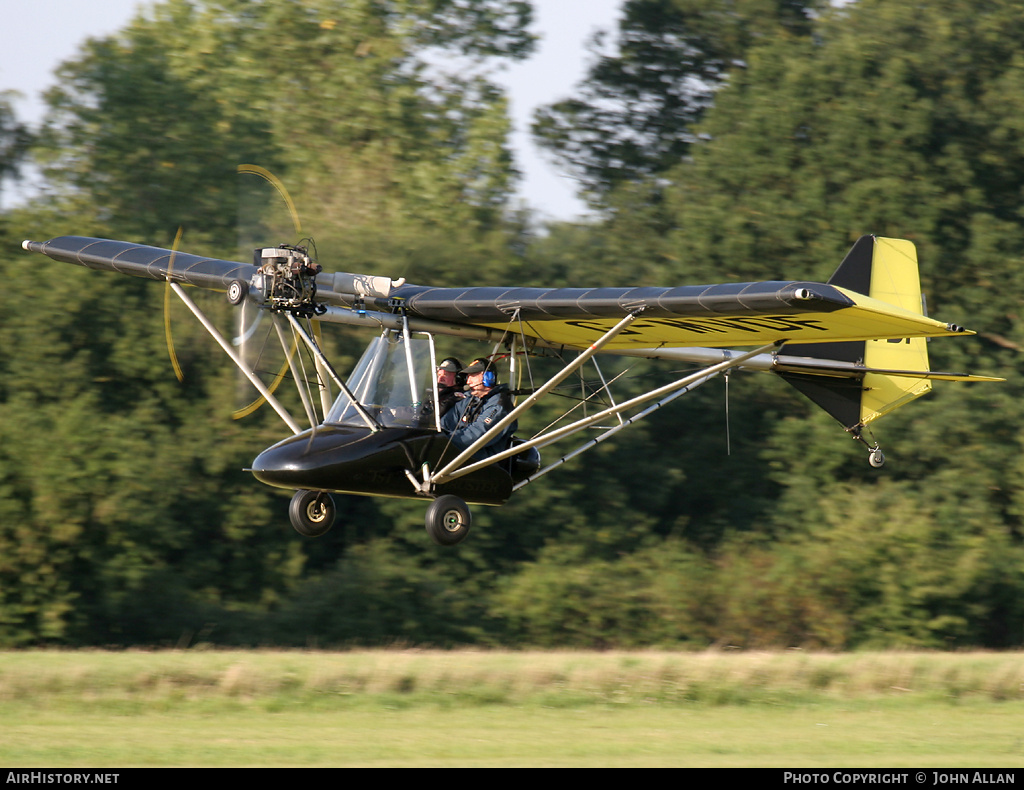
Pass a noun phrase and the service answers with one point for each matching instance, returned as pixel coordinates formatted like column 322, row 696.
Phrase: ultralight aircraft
column 855, row 345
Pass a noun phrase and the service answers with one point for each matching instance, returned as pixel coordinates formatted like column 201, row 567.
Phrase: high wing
column 742, row 314
column 722, row 315
column 874, row 295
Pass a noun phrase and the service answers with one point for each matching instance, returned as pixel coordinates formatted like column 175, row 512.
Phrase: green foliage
column 132, row 486
column 14, row 140
column 724, row 141
column 886, row 113
column 376, row 595
column 652, row 596
column 151, row 123
column 913, row 571
column 637, row 108
column 884, row 120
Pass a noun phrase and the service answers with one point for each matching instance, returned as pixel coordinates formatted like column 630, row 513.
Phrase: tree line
column 715, row 142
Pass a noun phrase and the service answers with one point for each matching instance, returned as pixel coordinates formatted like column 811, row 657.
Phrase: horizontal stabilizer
column 834, row 368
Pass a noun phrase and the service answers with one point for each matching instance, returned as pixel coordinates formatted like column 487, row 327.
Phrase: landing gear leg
column 448, row 520
column 875, row 455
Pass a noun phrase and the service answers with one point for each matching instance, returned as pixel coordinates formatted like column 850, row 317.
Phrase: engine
column 286, row 280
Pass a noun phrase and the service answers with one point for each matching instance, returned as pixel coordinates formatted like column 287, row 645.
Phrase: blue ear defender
column 490, row 378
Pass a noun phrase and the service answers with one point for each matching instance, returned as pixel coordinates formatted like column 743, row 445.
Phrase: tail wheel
column 312, row 513
column 448, row 520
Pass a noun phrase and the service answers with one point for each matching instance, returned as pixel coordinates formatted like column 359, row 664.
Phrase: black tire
column 237, row 291
column 312, row 513
column 448, row 520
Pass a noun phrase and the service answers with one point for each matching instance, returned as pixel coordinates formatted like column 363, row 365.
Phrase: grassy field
column 468, row 708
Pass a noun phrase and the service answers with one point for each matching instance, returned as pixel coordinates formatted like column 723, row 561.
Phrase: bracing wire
column 728, row 434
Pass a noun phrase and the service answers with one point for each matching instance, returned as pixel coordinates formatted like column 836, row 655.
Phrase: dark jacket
column 472, row 417
column 448, row 397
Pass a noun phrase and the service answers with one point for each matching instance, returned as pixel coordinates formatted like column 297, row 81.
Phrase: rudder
column 894, row 279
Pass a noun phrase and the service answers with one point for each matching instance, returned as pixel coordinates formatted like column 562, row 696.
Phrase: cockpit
column 393, row 383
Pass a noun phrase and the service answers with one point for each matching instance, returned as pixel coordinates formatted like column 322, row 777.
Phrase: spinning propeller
column 253, row 333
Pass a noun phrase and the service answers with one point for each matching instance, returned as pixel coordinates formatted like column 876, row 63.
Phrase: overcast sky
column 40, row 34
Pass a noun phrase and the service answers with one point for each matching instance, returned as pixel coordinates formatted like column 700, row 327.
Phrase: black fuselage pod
column 352, row 459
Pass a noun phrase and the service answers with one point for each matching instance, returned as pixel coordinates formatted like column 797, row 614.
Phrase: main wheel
column 448, row 520
column 312, row 513
column 876, row 458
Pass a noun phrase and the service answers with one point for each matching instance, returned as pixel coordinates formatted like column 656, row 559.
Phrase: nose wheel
column 312, row 513
column 448, row 520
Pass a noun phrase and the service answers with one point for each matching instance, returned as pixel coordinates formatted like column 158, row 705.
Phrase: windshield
column 393, row 381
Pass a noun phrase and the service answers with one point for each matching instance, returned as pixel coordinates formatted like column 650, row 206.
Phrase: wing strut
column 321, row 360
column 610, row 431
column 448, row 472
column 253, row 378
column 682, row 385
column 298, row 376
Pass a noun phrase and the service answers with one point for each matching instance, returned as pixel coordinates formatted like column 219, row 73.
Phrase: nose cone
column 309, row 459
column 284, row 465
column 330, row 459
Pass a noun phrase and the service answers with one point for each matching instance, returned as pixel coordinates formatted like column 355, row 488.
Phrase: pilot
column 487, row 404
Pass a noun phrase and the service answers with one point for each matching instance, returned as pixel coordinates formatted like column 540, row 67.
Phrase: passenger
column 450, row 384
column 487, row 404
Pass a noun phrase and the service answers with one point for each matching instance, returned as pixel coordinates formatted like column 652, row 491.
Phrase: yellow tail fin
column 884, row 269
column 894, row 279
